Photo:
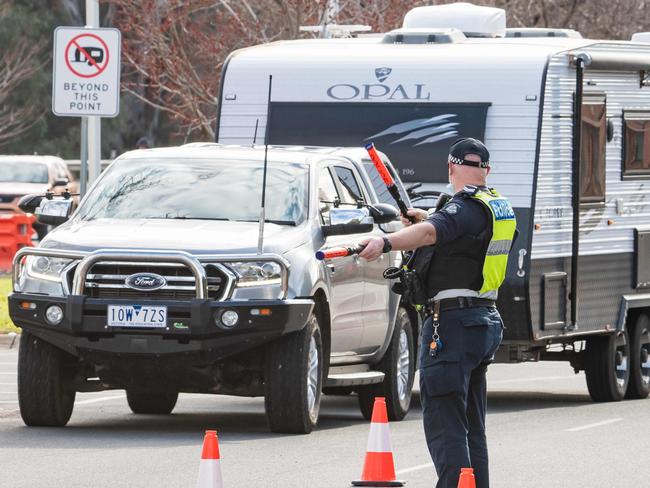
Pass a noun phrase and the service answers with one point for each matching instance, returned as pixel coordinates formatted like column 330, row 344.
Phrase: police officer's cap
column 467, row 145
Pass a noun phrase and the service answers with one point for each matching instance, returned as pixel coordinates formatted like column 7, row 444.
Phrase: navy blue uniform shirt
column 460, row 216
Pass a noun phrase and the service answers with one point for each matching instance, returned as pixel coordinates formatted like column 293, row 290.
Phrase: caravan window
column 592, row 150
column 636, row 143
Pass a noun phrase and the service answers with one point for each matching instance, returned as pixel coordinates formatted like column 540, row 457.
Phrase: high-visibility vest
column 475, row 263
column 504, row 226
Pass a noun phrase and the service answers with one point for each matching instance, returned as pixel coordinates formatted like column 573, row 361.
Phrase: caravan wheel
column 607, row 366
column 639, row 386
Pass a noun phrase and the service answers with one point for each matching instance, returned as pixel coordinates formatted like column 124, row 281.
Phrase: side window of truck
column 326, row 194
column 351, row 191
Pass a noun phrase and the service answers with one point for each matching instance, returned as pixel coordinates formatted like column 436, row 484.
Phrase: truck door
column 345, row 274
column 375, row 296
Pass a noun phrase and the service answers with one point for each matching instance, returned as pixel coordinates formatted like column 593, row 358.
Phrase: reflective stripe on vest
column 504, row 225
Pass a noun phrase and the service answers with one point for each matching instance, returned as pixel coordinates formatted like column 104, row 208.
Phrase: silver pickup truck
column 157, row 284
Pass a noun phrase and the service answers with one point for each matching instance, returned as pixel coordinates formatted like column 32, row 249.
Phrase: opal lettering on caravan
column 86, row 87
column 345, row 91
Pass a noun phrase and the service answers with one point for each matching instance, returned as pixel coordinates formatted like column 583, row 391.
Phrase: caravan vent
column 641, row 37
column 471, row 20
column 542, row 32
column 423, row 36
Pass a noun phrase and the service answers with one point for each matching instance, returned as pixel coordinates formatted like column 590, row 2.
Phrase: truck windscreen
column 202, row 189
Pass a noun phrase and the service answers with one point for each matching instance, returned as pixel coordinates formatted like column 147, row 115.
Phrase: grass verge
column 6, row 325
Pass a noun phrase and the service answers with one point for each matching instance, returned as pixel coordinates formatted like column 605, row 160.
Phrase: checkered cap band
column 465, row 162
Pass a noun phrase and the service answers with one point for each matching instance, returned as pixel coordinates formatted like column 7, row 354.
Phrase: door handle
column 331, row 267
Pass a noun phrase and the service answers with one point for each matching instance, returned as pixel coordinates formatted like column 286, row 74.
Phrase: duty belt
column 434, row 307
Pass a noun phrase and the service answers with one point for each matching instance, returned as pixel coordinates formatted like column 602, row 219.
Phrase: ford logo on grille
column 145, row 281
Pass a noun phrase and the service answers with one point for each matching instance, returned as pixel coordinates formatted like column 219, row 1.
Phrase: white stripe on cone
column 209, row 474
column 379, row 438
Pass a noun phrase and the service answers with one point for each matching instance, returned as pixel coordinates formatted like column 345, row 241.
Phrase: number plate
column 137, row 316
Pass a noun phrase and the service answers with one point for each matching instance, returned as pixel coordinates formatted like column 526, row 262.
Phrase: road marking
column 597, row 424
column 97, row 400
column 7, row 392
column 9, row 401
column 13, row 373
column 531, row 380
column 13, row 363
column 419, row 467
column 8, row 384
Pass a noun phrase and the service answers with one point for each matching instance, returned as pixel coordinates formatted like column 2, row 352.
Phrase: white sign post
column 86, row 72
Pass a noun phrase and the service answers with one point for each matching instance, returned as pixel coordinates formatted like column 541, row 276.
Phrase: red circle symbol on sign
column 86, row 55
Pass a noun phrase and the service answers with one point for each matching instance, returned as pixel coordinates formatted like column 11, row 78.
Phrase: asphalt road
column 543, row 432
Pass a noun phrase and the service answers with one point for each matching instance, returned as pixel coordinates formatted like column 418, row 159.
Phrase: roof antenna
column 257, row 122
column 260, row 242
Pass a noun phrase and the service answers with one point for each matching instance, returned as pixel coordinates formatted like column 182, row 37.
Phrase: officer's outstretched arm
column 409, row 238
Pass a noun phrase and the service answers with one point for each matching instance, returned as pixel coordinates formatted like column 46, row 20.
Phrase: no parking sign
column 86, row 72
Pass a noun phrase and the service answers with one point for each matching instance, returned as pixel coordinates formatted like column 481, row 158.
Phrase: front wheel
column 45, row 397
column 294, row 379
column 398, row 365
column 607, row 366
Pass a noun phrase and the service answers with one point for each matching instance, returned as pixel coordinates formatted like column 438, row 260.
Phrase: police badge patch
column 451, row 208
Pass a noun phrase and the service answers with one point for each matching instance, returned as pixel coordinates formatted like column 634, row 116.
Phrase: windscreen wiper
column 272, row 221
column 180, row 217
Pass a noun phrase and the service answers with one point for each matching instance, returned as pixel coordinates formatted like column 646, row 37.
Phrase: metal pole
column 575, row 244
column 83, row 157
column 94, row 123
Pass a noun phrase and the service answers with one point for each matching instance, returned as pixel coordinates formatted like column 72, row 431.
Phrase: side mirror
column 54, row 212
column 382, row 213
column 28, row 203
column 346, row 221
column 61, row 182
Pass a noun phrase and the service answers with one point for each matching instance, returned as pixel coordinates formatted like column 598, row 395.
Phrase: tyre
column 152, row 403
column 639, row 386
column 398, row 364
column 45, row 396
column 293, row 380
column 607, row 366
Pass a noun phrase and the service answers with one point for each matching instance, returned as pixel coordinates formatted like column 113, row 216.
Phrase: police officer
column 473, row 234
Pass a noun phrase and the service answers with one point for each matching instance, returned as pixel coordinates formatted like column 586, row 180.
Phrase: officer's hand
column 417, row 213
column 373, row 249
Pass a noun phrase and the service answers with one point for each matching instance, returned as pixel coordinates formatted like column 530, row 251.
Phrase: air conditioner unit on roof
column 471, row 20
column 641, row 37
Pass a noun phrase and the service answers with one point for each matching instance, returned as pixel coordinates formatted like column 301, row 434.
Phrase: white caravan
column 578, row 285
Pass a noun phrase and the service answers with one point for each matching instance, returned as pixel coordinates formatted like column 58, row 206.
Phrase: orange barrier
column 210, row 468
column 379, row 468
column 15, row 233
column 466, row 479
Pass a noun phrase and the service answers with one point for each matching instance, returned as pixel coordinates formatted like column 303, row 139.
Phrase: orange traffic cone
column 210, row 469
column 466, row 479
column 378, row 468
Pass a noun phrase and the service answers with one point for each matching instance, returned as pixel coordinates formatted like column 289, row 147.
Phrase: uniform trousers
column 453, row 391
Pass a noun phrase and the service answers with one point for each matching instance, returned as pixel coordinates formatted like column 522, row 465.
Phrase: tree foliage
column 174, row 50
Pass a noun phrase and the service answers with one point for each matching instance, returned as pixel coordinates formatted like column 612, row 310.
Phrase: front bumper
column 190, row 325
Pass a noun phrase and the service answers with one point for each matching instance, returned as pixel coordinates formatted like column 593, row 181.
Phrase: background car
column 23, row 175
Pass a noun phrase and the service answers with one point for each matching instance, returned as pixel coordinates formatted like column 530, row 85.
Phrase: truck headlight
column 45, row 268
column 257, row 273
